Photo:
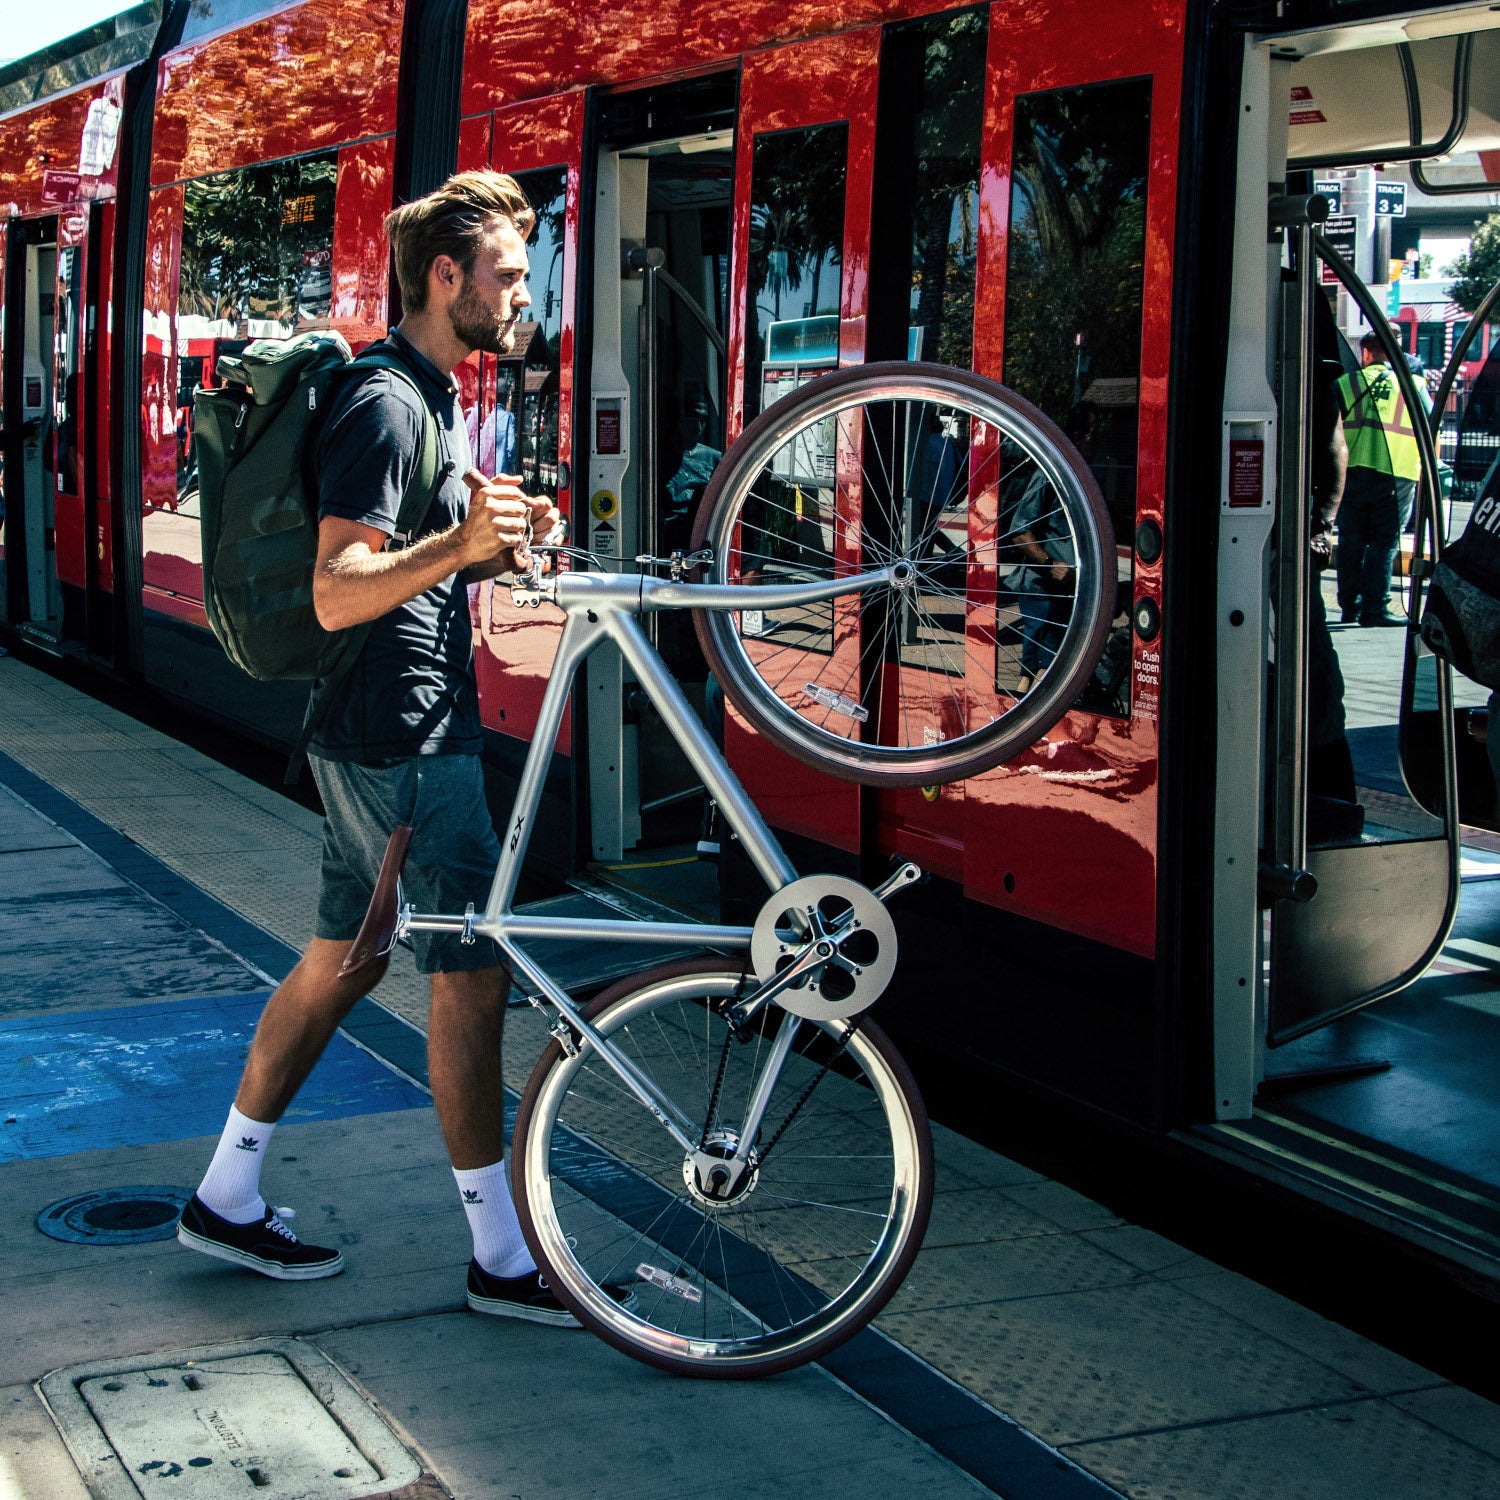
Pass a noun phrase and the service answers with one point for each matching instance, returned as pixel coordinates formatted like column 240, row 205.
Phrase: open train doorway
column 656, row 413
column 33, row 592
column 1357, row 1030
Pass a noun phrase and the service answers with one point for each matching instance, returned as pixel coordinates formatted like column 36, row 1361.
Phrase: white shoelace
column 275, row 1223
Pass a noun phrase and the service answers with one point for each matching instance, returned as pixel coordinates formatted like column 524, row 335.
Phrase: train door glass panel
column 68, row 575
column 41, row 606
column 794, row 94
column 257, row 263
column 925, row 235
column 795, row 279
column 1073, row 343
column 526, row 407
column 519, row 432
column 924, row 258
column 66, row 375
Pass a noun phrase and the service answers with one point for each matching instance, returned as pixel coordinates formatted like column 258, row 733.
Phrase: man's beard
column 477, row 325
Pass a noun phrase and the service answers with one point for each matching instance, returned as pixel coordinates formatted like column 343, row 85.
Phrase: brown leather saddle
column 377, row 933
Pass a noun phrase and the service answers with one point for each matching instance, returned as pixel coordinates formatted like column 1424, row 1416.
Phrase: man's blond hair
column 452, row 221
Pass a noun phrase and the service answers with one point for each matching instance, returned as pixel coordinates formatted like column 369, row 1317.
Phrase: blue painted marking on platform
column 94, row 1080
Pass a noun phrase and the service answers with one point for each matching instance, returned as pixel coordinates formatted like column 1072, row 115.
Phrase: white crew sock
column 231, row 1186
column 498, row 1245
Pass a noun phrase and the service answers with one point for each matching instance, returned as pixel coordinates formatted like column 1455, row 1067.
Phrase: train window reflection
column 795, row 278
column 796, row 259
column 519, row 433
column 932, row 87
column 257, row 263
column 65, row 397
column 1073, row 314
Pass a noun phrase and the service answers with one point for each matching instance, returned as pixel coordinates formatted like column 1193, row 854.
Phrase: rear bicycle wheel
column 1000, row 550
column 785, row 1264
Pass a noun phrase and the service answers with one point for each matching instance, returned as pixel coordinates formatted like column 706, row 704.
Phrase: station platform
column 1041, row 1349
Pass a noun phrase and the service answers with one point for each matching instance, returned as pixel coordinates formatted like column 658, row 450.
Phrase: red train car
column 1069, row 196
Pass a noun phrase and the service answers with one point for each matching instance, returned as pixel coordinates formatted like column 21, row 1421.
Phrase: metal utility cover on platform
column 268, row 1418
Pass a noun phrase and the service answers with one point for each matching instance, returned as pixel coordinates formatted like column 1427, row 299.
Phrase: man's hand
column 497, row 532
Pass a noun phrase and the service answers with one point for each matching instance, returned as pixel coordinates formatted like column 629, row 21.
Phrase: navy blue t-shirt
column 412, row 690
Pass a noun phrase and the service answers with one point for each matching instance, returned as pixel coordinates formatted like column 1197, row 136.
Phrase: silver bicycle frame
column 601, row 607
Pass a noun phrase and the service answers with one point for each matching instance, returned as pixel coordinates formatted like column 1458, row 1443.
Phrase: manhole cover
column 272, row 1418
column 115, row 1216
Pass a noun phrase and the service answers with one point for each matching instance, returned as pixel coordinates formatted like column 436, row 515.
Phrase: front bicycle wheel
column 736, row 1277
column 999, row 563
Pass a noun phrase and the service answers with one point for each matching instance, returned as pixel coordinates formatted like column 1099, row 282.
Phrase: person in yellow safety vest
column 1380, row 487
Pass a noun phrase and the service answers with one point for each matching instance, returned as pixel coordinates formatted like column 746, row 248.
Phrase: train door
column 523, row 424
column 1353, row 1051
column 35, row 600
column 47, row 566
column 657, row 411
column 800, row 305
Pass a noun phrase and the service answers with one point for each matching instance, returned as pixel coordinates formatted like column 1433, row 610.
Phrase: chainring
column 858, row 930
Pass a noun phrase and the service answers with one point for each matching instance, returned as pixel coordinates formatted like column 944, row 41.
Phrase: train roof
column 106, row 48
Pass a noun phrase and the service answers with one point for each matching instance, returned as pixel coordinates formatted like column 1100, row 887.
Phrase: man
column 1380, row 485
column 400, row 743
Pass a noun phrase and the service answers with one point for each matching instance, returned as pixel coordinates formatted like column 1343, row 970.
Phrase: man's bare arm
column 355, row 581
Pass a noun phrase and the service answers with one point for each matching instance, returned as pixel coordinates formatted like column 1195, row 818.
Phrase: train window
column 796, row 259
column 924, row 243
column 257, row 263
column 795, row 267
column 520, row 435
column 65, row 413
column 257, row 250
column 1073, row 317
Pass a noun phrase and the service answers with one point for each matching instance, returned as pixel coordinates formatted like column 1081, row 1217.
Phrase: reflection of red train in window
column 1044, row 194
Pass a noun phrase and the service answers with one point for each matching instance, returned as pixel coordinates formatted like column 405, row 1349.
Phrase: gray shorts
column 453, row 848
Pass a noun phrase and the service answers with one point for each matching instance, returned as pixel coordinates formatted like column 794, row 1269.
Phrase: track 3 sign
column 1390, row 200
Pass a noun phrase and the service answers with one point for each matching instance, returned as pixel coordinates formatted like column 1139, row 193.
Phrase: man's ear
column 444, row 276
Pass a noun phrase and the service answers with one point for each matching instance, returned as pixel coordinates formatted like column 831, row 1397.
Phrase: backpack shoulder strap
column 431, row 469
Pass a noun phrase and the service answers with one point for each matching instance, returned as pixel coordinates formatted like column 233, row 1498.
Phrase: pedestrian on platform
column 400, row 743
column 1380, row 487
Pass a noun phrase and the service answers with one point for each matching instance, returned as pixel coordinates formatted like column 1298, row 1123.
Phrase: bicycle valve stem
column 522, row 553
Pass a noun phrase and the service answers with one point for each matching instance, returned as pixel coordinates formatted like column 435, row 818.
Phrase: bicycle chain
column 729, row 1036
column 833, row 1057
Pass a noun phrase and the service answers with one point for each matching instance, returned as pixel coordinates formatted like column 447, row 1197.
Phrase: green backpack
column 258, row 501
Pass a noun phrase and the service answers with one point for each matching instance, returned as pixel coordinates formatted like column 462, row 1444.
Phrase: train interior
column 666, row 178
column 1379, row 811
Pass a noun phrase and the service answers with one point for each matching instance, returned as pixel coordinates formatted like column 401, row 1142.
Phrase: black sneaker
column 1390, row 621
column 528, row 1297
column 265, row 1245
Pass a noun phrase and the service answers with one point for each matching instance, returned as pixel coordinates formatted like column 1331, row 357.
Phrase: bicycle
column 735, row 1137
